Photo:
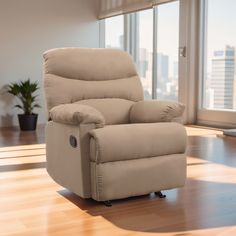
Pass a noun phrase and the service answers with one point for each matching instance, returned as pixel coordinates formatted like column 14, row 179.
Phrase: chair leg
column 107, row 203
column 160, row 194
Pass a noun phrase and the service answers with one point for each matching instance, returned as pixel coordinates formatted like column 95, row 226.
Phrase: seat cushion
column 114, row 110
column 134, row 141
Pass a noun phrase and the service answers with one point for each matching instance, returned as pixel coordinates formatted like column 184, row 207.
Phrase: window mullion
column 102, row 33
column 154, row 58
column 203, row 51
column 134, row 36
column 127, row 33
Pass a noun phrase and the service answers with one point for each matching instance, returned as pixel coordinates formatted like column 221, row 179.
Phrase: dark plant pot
column 28, row 122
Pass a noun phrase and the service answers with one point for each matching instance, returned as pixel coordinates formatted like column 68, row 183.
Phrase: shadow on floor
column 23, row 166
column 199, row 205
column 216, row 149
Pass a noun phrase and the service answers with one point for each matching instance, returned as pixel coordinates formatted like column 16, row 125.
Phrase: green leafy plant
column 25, row 92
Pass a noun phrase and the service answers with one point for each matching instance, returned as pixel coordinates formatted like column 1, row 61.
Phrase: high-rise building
column 223, row 78
column 143, row 62
column 234, row 98
column 144, row 65
column 176, row 70
column 121, row 41
column 162, row 74
column 163, row 67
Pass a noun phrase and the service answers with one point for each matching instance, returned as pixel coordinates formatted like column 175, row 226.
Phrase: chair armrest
column 155, row 111
column 75, row 114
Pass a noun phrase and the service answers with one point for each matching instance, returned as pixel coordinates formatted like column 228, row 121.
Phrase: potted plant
column 25, row 92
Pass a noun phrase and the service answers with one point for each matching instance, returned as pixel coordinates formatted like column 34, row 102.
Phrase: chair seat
column 135, row 141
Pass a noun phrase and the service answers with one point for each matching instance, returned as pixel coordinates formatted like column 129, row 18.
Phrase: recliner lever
column 73, row 141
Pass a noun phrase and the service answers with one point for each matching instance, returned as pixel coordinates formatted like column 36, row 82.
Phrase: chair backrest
column 75, row 74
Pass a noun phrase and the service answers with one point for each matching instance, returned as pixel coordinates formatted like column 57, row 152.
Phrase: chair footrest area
column 136, row 141
column 122, row 179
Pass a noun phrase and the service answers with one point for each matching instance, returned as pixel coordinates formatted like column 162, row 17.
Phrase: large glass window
column 145, row 50
column 114, row 32
column 167, row 51
column 153, row 41
column 219, row 87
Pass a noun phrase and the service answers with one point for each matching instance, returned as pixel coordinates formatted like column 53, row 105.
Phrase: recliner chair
column 103, row 141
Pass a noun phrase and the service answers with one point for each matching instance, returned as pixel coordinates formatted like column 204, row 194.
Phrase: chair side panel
column 69, row 166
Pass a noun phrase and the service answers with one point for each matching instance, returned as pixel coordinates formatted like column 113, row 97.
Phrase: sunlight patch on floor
column 22, row 147
column 22, row 151
column 194, row 131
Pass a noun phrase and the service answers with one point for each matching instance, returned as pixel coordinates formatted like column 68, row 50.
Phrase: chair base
column 107, row 203
column 160, row 194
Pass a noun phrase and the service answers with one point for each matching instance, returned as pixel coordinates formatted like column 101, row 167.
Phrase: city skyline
column 168, row 40
column 219, row 32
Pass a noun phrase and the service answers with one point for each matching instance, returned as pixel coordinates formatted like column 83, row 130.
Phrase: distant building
column 143, row 62
column 163, row 67
column 121, row 41
column 144, row 66
column 209, row 98
column 120, row 44
column 234, row 98
column 223, row 78
column 176, row 70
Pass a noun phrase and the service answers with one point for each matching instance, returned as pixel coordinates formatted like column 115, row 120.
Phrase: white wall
column 30, row 27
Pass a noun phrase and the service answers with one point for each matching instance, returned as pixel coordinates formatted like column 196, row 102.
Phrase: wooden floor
column 31, row 204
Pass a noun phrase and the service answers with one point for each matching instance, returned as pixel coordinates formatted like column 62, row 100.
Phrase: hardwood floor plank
column 22, row 153
column 22, row 147
column 32, row 204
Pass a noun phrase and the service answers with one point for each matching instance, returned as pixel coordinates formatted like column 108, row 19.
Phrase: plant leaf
column 36, row 105
column 24, row 91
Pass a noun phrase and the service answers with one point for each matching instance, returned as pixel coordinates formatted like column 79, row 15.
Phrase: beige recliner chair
column 103, row 141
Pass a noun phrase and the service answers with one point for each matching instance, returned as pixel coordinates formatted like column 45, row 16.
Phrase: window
column 114, row 32
column 167, row 51
column 144, row 40
column 152, row 38
column 219, row 44
column 166, row 54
